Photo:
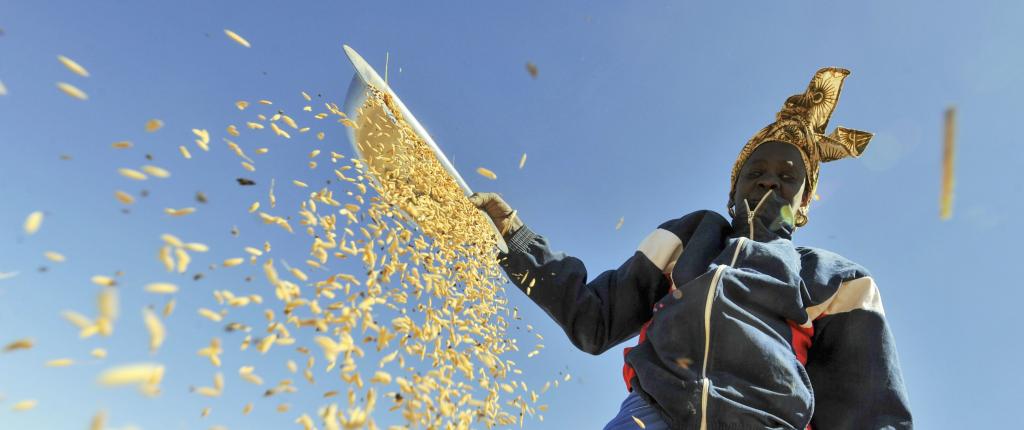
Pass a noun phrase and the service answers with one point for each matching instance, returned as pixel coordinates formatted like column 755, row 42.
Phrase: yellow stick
column 948, row 153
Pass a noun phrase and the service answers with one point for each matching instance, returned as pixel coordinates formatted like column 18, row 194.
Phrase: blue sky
column 638, row 112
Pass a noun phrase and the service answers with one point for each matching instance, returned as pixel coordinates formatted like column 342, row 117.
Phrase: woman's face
column 773, row 166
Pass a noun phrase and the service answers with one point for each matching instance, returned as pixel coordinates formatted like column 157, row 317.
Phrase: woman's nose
column 769, row 184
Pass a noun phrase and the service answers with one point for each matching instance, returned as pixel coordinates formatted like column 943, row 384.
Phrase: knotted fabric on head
column 801, row 123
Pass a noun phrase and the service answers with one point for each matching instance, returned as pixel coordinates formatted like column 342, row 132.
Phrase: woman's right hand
column 500, row 212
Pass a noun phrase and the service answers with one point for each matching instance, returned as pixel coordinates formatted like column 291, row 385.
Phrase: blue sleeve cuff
column 520, row 240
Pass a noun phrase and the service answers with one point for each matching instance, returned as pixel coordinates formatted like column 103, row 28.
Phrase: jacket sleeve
column 596, row 314
column 853, row 365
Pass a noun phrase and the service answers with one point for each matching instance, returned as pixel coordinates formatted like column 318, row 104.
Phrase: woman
column 739, row 328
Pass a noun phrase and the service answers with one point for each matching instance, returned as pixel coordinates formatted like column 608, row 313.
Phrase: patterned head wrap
column 801, row 123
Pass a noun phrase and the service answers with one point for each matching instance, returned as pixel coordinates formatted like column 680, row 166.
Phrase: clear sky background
column 638, row 111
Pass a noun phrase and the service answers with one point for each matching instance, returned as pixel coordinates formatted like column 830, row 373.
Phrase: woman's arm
column 596, row 315
column 853, row 364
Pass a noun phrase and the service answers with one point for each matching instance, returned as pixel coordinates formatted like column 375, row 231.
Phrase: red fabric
column 809, row 334
column 800, row 340
column 627, row 371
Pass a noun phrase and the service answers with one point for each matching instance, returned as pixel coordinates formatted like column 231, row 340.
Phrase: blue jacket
column 739, row 329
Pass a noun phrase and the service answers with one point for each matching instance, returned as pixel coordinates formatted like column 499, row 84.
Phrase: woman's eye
column 753, row 174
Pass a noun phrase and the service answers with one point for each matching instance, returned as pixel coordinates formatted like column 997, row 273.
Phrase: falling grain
column 246, row 372
column 531, row 69
column 60, row 362
column 124, row 197
column 155, row 327
column 132, row 174
column 54, row 256
column 154, row 125
column 24, row 405
column 132, row 374
column 73, row 66
column 196, row 247
column 179, row 212
column 33, row 222
column 238, row 39
column 210, row 315
column 168, row 308
column 156, row 171
column 72, row 91
column 486, row 173
column 19, row 345
column 99, row 421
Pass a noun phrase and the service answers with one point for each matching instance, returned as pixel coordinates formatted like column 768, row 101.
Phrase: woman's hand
column 500, row 212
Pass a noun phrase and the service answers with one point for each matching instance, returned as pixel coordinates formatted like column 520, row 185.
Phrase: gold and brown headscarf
column 802, row 122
